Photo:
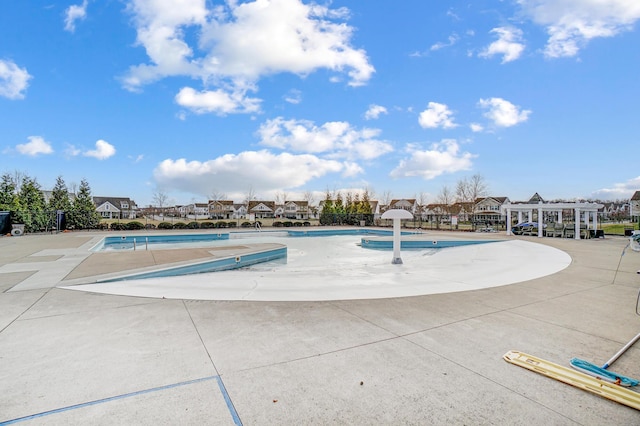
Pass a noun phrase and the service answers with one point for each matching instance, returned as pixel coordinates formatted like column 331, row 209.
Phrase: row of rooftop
column 483, row 209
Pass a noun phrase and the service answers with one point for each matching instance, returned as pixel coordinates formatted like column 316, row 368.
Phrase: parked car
column 525, row 227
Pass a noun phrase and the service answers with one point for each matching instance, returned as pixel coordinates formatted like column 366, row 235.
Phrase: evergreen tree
column 365, row 203
column 83, row 213
column 60, row 197
column 8, row 195
column 31, row 206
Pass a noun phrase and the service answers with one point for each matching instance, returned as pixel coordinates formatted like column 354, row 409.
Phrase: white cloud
column 336, row 139
column 36, row 146
column 572, row 23
column 509, row 44
column 622, row 190
column 374, row 112
column 442, row 157
column 71, row 151
column 74, row 13
column 239, row 43
column 451, row 40
column 436, row 115
column 294, row 96
column 503, row 113
column 216, row 101
column 13, row 80
column 261, row 170
column 103, row 150
column 476, row 127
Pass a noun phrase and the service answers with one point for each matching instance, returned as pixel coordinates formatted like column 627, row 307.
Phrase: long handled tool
column 602, row 372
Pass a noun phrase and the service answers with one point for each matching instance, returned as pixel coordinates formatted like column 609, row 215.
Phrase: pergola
column 589, row 209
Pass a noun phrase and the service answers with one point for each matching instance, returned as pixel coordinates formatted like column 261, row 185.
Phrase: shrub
column 207, row 225
column 221, row 224
column 179, row 225
column 305, row 223
column 246, row 225
column 134, row 226
column 117, row 226
column 232, row 224
column 193, row 225
column 288, row 224
column 149, row 226
column 165, row 225
column 297, row 223
column 277, row 224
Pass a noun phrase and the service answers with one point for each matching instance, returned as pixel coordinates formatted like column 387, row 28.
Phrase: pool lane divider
column 223, row 390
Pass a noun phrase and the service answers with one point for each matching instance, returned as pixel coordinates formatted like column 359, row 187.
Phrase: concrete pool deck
column 71, row 357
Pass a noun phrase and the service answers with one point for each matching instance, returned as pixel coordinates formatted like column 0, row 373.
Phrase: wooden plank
column 575, row 378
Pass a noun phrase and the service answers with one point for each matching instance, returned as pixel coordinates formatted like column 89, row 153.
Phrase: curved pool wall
column 386, row 244
column 223, row 264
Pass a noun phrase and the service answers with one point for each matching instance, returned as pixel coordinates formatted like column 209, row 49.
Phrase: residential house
column 115, row 207
column 262, row 209
column 293, row 210
column 436, row 213
column 634, row 207
column 409, row 205
column 221, row 209
column 487, row 210
column 195, row 211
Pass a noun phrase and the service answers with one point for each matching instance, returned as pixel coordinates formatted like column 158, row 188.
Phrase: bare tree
column 422, row 203
column 249, row 196
column 18, row 178
column 281, row 200
column 469, row 190
column 385, row 200
column 160, row 198
column 445, row 198
column 310, row 199
column 217, row 196
column 73, row 188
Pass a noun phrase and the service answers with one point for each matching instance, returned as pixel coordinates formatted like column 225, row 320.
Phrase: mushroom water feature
column 397, row 215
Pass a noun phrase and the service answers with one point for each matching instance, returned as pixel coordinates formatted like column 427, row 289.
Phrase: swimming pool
column 334, row 241
column 146, row 242
column 337, row 267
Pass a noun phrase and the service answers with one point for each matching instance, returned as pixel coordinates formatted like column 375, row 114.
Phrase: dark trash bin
column 5, row 222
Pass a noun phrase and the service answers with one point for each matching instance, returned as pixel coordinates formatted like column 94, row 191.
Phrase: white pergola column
column 508, row 221
column 586, row 218
column 519, row 216
column 559, row 216
column 595, row 221
column 577, row 224
column 540, row 221
column 530, row 216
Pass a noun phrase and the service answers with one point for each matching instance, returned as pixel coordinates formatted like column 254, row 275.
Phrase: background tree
column 60, row 197
column 8, row 194
column 83, row 213
column 365, row 202
column 310, row 199
column 31, row 206
column 59, row 202
column 444, row 199
column 469, row 190
column 249, row 196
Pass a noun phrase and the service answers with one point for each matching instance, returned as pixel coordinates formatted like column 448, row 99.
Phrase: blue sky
column 199, row 98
